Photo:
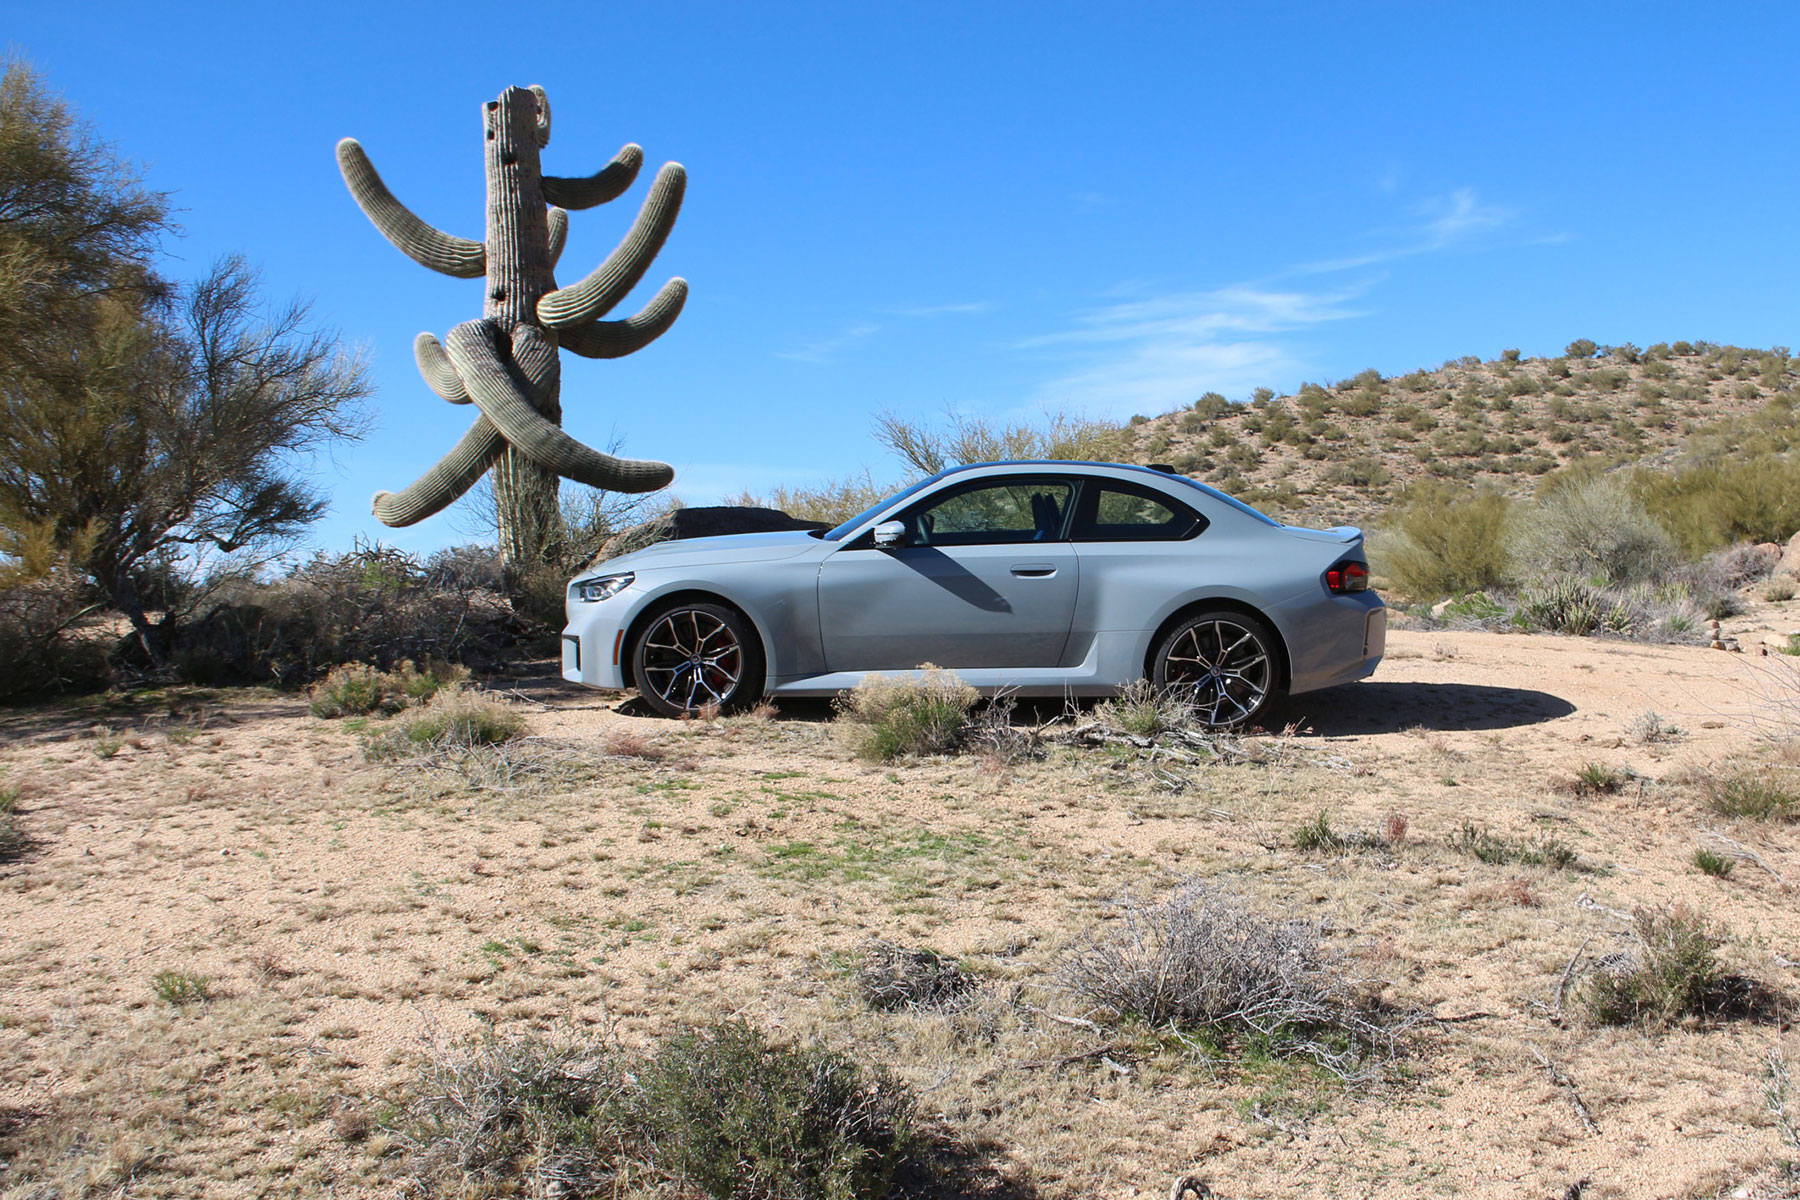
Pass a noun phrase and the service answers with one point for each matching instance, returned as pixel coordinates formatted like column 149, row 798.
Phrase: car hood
column 727, row 548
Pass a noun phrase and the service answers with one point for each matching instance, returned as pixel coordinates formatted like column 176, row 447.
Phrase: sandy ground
column 626, row 875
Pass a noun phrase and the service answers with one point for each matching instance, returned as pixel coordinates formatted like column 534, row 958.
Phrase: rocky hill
column 1341, row 452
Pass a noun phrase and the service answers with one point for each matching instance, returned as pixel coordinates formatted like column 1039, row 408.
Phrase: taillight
column 1348, row 576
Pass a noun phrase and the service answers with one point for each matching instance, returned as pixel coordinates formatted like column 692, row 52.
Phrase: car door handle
column 1034, row 570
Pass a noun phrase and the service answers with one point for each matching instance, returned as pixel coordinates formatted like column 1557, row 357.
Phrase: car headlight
column 604, row 587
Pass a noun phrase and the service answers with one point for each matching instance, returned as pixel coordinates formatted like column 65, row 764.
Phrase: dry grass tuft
column 895, row 977
column 629, row 743
column 1204, row 961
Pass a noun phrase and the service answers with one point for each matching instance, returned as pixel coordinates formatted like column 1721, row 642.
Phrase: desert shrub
column 1443, row 540
column 1581, row 348
column 1363, row 472
column 1206, row 962
column 455, row 719
column 1592, row 526
column 1757, row 793
column 1571, row 606
column 374, row 604
column 1672, row 974
column 502, row 1110
column 45, row 648
column 894, row 977
column 1144, row 710
column 889, row 717
column 1481, row 844
column 1726, row 498
column 992, row 735
column 834, row 501
column 1780, row 588
column 357, row 689
column 741, row 1118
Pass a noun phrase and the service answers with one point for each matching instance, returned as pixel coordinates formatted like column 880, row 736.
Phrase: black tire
column 1222, row 662
column 691, row 655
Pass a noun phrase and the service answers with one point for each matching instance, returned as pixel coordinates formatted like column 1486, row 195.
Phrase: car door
column 982, row 578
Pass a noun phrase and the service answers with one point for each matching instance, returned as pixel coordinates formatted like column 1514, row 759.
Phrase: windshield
column 841, row 531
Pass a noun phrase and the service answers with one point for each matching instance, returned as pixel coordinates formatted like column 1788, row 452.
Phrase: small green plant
column 1597, row 779
column 107, row 743
column 1481, row 844
column 181, row 988
column 12, row 838
column 887, row 718
column 1318, row 837
column 1779, row 590
column 1708, row 862
column 1759, row 793
column 1649, row 728
column 1672, row 975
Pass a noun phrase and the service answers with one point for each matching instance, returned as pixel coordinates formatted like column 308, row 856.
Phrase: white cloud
column 941, row 310
column 829, row 349
column 1151, row 353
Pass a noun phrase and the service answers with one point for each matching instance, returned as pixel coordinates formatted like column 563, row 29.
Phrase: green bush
column 742, row 1118
column 890, row 717
column 1443, row 540
column 1757, row 793
column 357, row 689
column 1591, row 527
column 1726, row 499
column 1571, row 606
column 1673, row 973
column 722, row 1111
column 1484, row 846
column 454, row 720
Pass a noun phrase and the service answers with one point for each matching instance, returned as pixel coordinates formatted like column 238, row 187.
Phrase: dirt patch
column 619, row 875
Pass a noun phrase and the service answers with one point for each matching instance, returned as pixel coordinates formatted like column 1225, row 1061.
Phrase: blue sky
column 992, row 208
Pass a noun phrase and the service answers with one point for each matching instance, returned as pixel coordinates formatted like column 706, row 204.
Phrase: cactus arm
column 594, row 296
column 605, row 184
column 559, row 233
column 420, row 242
column 501, row 396
column 543, row 115
column 616, row 339
column 435, row 366
column 453, row 475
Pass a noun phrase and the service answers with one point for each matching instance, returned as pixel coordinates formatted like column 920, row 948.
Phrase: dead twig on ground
column 1561, row 1079
column 1737, row 849
column 1562, row 985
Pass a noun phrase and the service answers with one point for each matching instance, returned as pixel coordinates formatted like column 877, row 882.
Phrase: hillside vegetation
column 1345, row 452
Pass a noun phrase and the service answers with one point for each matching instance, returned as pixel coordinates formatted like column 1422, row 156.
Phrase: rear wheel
column 1222, row 663
column 694, row 656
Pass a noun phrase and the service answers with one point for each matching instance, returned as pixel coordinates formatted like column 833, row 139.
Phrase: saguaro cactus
column 506, row 363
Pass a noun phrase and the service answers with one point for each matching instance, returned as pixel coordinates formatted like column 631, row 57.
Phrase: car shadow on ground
column 1378, row 706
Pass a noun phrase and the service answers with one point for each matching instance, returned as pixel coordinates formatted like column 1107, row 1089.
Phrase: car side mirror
column 889, row 534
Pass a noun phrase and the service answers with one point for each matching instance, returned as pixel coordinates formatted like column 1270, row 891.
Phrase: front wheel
column 1222, row 663
column 695, row 656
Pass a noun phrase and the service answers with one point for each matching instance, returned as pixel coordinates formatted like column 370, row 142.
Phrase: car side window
column 999, row 514
column 1118, row 512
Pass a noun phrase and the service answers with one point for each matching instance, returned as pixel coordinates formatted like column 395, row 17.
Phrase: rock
column 1790, row 558
column 713, row 521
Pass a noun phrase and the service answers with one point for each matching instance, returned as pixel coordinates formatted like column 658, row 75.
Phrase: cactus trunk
column 518, row 276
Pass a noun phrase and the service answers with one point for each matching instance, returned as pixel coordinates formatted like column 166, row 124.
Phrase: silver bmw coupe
column 1040, row 578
